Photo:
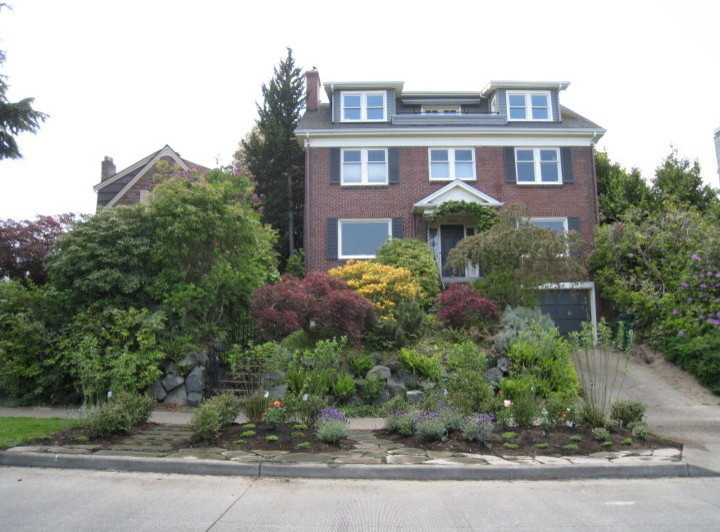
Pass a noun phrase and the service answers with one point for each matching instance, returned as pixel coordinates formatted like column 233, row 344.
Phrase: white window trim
column 363, row 167
column 537, row 167
column 363, row 105
column 564, row 220
column 528, row 106
column 360, row 220
column 451, row 162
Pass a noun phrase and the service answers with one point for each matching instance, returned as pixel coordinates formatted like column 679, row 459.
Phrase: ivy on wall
column 485, row 217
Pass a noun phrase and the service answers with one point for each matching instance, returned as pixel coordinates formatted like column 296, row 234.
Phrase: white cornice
column 528, row 85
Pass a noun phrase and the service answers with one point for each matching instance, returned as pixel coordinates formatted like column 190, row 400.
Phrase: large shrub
column 461, row 307
column 515, row 320
column 112, row 350
column 415, row 256
column 322, row 305
column 700, row 356
column 385, row 286
column 121, row 413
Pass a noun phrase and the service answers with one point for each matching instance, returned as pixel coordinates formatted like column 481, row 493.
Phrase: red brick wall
column 335, row 201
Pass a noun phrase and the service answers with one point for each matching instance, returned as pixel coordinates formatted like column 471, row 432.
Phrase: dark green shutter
column 331, row 239
column 335, row 166
column 398, row 228
column 393, row 166
column 567, row 169
column 510, row 175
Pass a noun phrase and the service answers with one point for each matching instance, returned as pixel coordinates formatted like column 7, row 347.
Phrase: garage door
column 567, row 308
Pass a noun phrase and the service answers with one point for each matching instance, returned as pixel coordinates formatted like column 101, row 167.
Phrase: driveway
column 677, row 406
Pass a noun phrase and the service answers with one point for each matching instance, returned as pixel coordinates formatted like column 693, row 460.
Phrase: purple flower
column 331, row 414
column 695, row 257
column 703, row 285
column 675, row 312
column 689, row 300
column 701, row 318
column 684, row 284
column 631, row 255
column 681, row 333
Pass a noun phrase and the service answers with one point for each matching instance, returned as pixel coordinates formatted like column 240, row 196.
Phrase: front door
column 450, row 235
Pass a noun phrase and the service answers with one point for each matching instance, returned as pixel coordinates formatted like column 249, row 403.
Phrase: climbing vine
column 485, row 217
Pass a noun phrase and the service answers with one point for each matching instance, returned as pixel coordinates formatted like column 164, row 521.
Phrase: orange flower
column 277, row 404
column 563, row 415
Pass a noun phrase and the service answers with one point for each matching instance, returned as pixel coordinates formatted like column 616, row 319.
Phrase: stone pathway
column 158, row 442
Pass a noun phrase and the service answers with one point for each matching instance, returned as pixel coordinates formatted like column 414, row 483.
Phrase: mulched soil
column 70, row 437
column 527, row 439
column 231, row 438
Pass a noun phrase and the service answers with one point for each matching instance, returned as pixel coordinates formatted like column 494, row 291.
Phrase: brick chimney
column 108, row 168
column 312, row 78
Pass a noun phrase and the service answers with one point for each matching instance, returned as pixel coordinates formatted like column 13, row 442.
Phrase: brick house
column 133, row 184
column 378, row 159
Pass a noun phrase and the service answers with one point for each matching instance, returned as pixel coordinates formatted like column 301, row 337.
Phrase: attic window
column 363, row 106
column 441, row 110
column 529, row 105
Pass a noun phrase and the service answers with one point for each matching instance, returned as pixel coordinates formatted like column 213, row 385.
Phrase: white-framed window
column 538, row 166
column 447, row 164
column 365, row 166
column 363, row 106
column 559, row 225
column 441, row 110
column 529, row 105
column 361, row 238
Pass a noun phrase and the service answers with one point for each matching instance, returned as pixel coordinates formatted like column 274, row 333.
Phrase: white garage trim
column 583, row 285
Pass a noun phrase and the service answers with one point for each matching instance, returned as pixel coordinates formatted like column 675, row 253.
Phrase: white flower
column 507, row 403
column 267, row 394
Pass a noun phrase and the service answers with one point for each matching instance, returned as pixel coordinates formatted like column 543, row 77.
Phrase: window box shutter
column 331, row 239
column 398, row 228
column 335, row 166
column 393, row 166
column 510, row 176
column 567, row 170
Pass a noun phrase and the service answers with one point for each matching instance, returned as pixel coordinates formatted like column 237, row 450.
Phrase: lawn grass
column 16, row 431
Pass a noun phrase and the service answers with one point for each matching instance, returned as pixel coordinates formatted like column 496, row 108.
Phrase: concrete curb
column 353, row 471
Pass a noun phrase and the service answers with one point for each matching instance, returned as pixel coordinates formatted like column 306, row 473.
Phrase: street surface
column 56, row 499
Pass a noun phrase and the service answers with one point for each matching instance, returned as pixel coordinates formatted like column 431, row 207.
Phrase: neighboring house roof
column 322, row 120
column 112, row 189
column 454, row 191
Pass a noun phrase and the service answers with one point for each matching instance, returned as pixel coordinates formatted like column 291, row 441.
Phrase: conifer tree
column 15, row 118
column 274, row 157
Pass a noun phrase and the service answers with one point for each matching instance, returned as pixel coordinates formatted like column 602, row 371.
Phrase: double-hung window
column 452, row 163
column 360, row 239
column 363, row 106
column 529, row 105
column 559, row 225
column 538, row 166
column 365, row 167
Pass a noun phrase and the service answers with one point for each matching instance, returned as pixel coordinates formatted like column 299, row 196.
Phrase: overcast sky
column 125, row 78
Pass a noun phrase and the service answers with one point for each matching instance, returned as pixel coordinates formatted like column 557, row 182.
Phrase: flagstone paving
column 159, row 441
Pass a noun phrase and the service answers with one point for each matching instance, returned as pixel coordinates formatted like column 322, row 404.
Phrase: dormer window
column 529, row 105
column 363, row 106
column 441, row 110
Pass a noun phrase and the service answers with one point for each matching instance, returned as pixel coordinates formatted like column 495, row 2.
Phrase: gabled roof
column 455, row 191
column 112, row 189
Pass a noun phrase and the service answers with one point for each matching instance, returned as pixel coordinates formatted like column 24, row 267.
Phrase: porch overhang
column 454, row 191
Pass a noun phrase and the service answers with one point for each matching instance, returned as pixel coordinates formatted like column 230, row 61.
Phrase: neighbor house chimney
column 312, row 78
column 108, row 168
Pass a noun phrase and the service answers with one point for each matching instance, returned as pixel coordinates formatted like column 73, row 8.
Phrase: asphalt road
column 50, row 499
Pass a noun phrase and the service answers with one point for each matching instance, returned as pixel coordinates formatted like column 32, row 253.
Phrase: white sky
column 125, row 78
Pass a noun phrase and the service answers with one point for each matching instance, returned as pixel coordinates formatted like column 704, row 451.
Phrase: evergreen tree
column 619, row 191
column 679, row 180
column 15, row 118
column 274, row 157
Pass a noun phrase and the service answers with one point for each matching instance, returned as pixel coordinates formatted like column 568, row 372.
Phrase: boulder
column 383, row 398
column 172, row 381
column 410, row 380
column 503, row 364
column 194, row 399
column 381, row 372
column 194, row 358
column 176, row 397
column 415, row 397
column 172, row 369
column 157, row 391
column 493, row 376
column 395, row 386
column 394, row 365
column 195, row 382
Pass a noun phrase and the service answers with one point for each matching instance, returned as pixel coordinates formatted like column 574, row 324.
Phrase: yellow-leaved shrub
column 385, row 286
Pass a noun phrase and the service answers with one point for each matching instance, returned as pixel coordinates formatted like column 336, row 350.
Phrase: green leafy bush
column 228, row 405
column 700, row 356
column 415, row 256
column 331, row 425
column 113, row 350
column 427, row 367
column 627, row 412
column 600, row 434
column 432, row 429
column 370, row 388
column 640, row 430
column 250, row 363
column 467, row 388
column 477, row 427
column 407, row 327
column 213, row 415
column 344, row 387
column 360, row 363
column 304, row 408
column 121, row 413
column 513, row 321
